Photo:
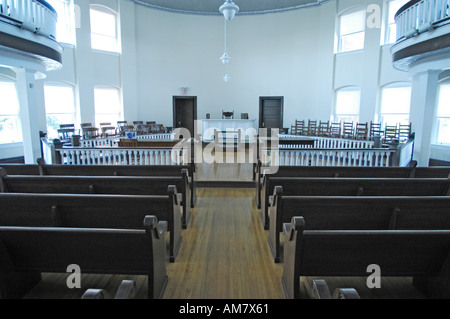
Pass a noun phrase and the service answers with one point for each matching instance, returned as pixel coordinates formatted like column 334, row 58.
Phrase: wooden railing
column 34, row 15
column 419, row 16
column 113, row 140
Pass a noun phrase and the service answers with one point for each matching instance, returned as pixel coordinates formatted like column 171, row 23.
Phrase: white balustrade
column 326, row 142
column 124, row 156
column 327, row 157
column 33, row 15
column 421, row 16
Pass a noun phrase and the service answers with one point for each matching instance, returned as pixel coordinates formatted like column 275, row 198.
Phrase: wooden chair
column 361, row 131
column 90, row 132
column 404, row 131
column 324, row 128
column 121, row 126
column 390, row 133
column 375, row 130
column 300, row 127
column 312, row 128
column 348, row 130
column 66, row 131
column 335, row 130
column 142, row 129
column 293, row 130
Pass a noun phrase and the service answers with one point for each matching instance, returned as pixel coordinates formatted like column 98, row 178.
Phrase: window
column 65, row 27
column 443, row 115
column 59, row 106
column 10, row 130
column 391, row 28
column 108, row 105
column 104, row 30
column 347, row 104
column 351, row 31
column 395, row 104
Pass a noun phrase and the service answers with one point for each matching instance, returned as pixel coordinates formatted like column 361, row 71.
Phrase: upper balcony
column 28, row 34
column 423, row 34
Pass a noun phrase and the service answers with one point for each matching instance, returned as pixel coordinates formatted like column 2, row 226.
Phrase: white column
column 84, row 66
column 32, row 111
column 423, row 110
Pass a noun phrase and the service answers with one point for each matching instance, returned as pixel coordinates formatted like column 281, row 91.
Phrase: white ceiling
column 211, row 7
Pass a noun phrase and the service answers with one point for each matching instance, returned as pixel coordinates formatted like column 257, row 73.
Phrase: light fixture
column 229, row 10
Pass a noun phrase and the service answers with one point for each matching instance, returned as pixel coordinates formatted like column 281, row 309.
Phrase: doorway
column 271, row 112
column 185, row 112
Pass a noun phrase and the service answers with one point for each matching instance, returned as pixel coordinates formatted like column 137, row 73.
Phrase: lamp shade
column 229, row 10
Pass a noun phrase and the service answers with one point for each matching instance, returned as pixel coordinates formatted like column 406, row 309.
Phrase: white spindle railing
column 33, row 15
column 327, row 157
column 327, row 142
column 124, row 156
column 421, row 16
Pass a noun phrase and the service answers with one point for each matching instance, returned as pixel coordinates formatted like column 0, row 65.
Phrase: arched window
column 348, row 100
column 108, row 105
column 65, row 27
column 351, row 31
column 104, row 29
column 10, row 129
column 392, row 7
column 395, row 104
column 59, row 106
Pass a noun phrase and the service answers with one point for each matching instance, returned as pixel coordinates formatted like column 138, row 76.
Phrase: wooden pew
column 126, row 290
column 357, row 212
column 28, row 251
column 93, row 211
column 103, row 170
column 342, row 171
column 420, row 254
column 320, row 290
column 121, row 185
column 323, row 186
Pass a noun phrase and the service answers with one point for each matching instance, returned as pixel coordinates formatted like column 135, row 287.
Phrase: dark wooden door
column 271, row 112
column 185, row 112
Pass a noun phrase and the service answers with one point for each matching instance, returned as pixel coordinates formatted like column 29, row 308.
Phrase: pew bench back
column 100, row 251
column 349, row 253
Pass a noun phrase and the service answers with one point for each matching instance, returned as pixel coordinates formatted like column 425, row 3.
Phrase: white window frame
column 75, row 109
column 18, row 138
column 116, row 48
column 340, row 36
column 389, row 26
column 118, row 115
column 381, row 114
column 438, row 117
column 66, row 22
column 354, row 116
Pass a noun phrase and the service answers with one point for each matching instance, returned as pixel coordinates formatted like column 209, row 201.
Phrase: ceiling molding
column 256, row 8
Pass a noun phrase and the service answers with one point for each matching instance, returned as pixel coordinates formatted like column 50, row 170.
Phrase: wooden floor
column 224, row 254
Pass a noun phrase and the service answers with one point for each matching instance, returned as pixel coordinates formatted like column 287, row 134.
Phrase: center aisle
column 224, row 253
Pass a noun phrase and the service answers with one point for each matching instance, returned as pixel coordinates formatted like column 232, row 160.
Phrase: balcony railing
column 34, row 15
column 418, row 16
